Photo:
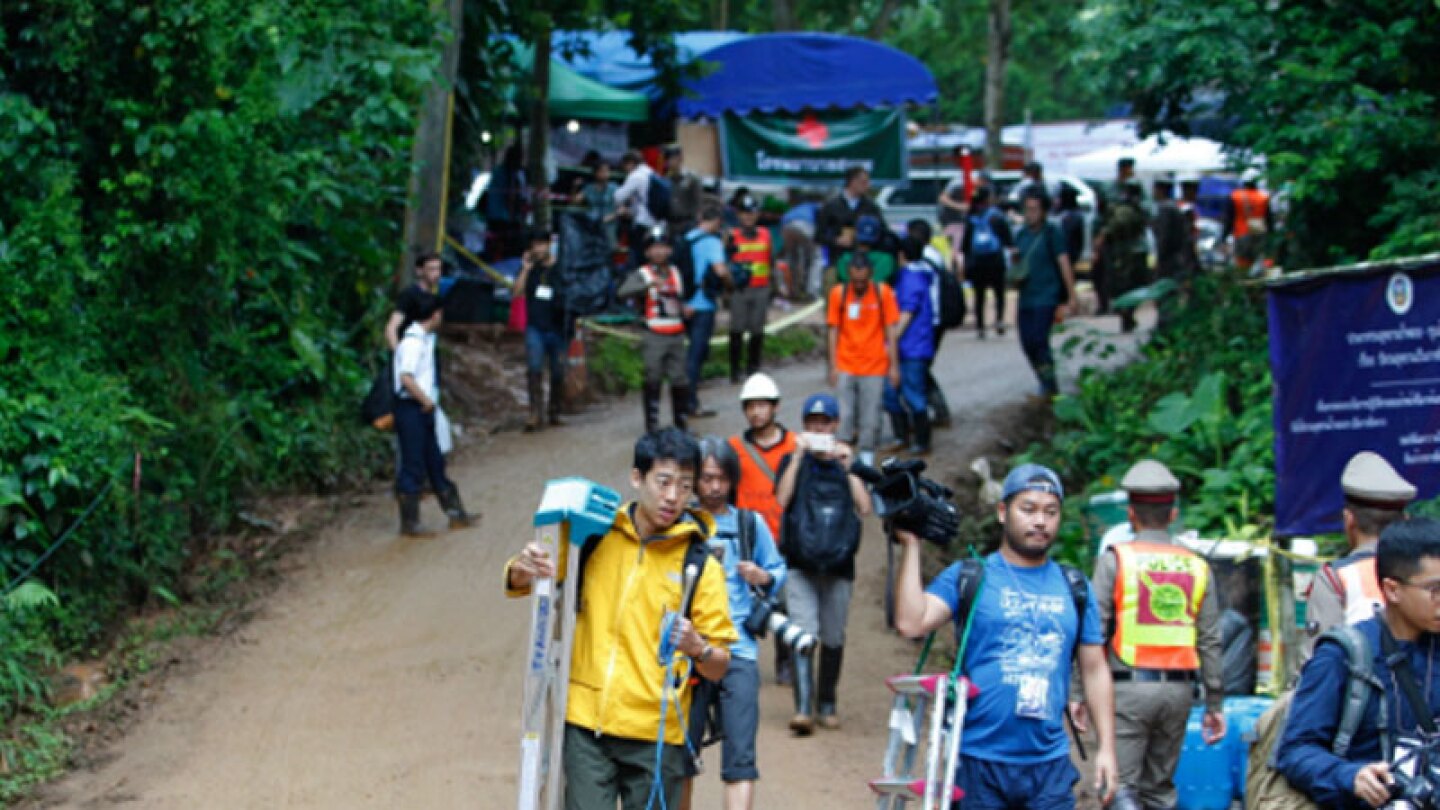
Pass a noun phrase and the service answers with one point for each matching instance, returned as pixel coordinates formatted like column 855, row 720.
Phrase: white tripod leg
column 571, row 512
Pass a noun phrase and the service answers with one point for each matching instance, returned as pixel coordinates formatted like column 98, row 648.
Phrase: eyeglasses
column 1432, row 588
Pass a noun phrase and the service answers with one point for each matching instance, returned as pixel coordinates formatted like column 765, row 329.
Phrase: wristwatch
column 704, row 654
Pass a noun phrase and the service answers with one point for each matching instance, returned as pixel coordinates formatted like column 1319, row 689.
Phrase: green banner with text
column 814, row 148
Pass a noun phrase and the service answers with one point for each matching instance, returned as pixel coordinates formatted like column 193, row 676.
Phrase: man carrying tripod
column 754, row 574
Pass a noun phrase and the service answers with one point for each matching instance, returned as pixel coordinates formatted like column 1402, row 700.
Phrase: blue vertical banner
column 1355, row 355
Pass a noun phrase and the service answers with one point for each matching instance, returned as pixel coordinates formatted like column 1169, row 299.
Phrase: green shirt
column 1044, row 285
column 882, row 267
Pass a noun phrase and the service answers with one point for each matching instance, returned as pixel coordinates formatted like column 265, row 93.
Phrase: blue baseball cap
column 1032, row 478
column 821, row 405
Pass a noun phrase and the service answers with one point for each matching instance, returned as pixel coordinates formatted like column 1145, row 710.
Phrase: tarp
column 575, row 96
column 606, row 56
column 1355, row 356
column 795, row 72
column 1175, row 155
column 813, row 148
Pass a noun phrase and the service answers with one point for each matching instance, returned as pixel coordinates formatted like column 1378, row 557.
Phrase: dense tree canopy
column 1341, row 98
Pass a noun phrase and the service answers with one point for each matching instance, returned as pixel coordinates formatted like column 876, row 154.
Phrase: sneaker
column 803, row 725
column 829, row 721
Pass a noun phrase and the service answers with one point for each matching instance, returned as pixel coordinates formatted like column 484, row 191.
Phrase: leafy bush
column 617, row 366
column 202, row 199
column 1198, row 400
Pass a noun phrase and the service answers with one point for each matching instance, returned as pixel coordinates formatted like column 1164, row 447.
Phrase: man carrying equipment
column 663, row 345
column 1021, row 626
column 629, row 579
column 1346, row 590
column 1158, row 605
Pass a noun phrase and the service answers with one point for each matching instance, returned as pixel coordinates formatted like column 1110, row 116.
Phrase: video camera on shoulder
column 907, row 500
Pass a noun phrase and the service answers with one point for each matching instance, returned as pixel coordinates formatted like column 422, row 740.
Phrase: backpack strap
column 697, row 553
column 1359, row 684
column 758, row 459
column 745, row 519
column 1080, row 595
column 967, row 593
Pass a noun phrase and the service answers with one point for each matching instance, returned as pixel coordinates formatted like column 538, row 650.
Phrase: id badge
column 543, row 293
column 853, row 312
column 1033, row 698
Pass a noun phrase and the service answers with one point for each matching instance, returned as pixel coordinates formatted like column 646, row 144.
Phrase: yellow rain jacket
column 615, row 676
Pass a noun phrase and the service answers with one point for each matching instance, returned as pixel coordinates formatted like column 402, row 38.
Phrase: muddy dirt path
column 385, row 672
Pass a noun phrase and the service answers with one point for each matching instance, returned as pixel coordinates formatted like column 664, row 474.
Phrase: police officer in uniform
column 1347, row 589
column 1162, row 623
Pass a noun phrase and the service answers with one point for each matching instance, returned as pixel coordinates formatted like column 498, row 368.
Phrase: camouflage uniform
column 1124, row 250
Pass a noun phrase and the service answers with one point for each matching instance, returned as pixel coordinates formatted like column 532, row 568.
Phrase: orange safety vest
column 756, row 488
column 757, row 251
column 1158, row 590
column 1359, row 589
column 1250, row 207
column 663, row 312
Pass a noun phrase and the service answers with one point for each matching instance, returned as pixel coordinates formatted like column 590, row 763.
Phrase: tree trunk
column 425, row 211
column 995, row 63
column 882, row 20
column 783, row 15
column 538, row 145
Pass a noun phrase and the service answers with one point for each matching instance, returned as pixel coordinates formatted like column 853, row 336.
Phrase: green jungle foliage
column 201, row 214
column 1197, row 400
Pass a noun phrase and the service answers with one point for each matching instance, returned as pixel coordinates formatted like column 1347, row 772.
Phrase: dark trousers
column 700, row 328
column 988, row 277
column 420, row 456
column 599, row 771
column 1035, row 324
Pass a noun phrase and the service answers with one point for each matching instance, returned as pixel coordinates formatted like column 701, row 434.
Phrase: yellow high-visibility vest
column 1158, row 590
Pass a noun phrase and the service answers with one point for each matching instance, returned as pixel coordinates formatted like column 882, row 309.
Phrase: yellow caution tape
column 495, row 275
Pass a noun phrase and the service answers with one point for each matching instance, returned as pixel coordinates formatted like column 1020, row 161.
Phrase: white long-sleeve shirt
column 635, row 192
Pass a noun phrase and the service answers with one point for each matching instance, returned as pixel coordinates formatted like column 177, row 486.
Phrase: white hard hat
column 759, row 386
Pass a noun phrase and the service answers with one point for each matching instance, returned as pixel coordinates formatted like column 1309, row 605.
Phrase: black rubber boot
column 410, row 517
column 535, row 387
column 737, row 345
column 680, row 406
column 900, row 423
column 754, row 353
column 935, row 398
column 455, row 508
column 803, row 723
column 650, row 401
column 784, row 673
column 921, row 422
column 557, row 399
column 830, row 660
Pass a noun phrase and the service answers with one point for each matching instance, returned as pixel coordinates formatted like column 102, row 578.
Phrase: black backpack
column 657, row 197
column 820, row 532
column 683, row 256
column 952, row 299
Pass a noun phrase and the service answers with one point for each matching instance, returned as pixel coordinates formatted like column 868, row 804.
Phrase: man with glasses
column 1380, row 763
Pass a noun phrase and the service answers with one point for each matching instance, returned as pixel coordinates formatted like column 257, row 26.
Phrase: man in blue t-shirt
column 1047, row 291
column 1021, row 641
column 707, row 250
column 907, row 403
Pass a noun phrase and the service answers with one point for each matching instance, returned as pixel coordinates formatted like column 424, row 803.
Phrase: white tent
column 1176, row 155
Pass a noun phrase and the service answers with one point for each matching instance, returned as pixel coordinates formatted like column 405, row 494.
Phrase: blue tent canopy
column 791, row 72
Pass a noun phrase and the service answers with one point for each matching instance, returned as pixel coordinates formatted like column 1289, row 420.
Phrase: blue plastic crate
column 1210, row 777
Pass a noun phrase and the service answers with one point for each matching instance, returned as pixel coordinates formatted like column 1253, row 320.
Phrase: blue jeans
column 545, row 347
column 914, row 383
column 1035, row 325
column 420, row 456
column 700, row 328
column 991, row 785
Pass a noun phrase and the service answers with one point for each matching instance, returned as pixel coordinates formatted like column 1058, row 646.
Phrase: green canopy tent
column 575, row 96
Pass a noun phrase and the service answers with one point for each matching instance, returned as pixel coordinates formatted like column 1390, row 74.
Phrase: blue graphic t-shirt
column 1019, row 656
column 707, row 250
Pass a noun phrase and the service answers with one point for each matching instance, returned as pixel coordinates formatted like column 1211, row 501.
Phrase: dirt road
column 384, row 673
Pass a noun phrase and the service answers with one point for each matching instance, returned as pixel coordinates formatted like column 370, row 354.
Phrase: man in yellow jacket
column 631, row 578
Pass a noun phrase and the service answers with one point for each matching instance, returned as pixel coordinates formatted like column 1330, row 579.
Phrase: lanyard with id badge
column 853, row 308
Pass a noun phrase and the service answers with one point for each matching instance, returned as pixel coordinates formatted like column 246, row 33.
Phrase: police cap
column 1149, row 481
column 1369, row 480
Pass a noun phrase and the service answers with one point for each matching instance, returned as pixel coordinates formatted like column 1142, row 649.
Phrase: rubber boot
column 921, row 421
column 455, row 508
column 737, row 345
column 680, row 406
column 830, row 660
column 557, row 400
column 535, row 386
column 650, row 400
column 410, row 516
column 784, row 673
column 803, row 666
column 935, row 399
column 754, row 352
column 900, row 423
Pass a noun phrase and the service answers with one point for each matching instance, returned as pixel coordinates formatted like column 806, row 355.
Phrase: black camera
column 764, row 618
column 907, row 500
column 1416, row 771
